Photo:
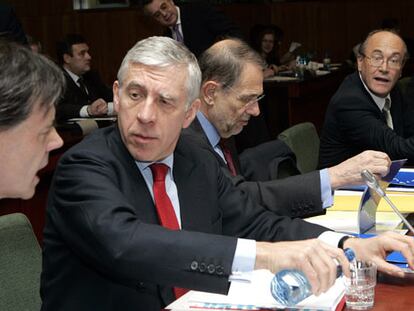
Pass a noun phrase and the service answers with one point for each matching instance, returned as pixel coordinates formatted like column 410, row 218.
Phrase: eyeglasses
column 248, row 100
column 394, row 62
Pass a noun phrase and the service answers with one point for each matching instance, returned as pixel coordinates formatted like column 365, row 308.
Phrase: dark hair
column 256, row 36
column 26, row 79
column 363, row 45
column 65, row 45
column 224, row 64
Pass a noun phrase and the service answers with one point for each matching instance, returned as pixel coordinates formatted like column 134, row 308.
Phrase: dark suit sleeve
column 295, row 196
column 97, row 88
column 359, row 123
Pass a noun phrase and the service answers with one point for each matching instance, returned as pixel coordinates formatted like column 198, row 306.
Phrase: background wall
column 333, row 26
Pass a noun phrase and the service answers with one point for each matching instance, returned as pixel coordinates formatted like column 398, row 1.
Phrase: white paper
column 255, row 295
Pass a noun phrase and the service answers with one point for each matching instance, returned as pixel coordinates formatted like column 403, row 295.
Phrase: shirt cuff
column 326, row 190
column 332, row 238
column 244, row 258
column 110, row 108
column 84, row 112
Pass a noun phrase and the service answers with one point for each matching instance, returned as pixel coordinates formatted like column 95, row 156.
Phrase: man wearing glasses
column 232, row 85
column 367, row 111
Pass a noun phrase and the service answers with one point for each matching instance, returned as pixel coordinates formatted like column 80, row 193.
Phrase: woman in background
column 266, row 40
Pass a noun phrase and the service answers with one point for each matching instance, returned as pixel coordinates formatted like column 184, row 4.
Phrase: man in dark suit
column 197, row 25
column 30, row 86
column 231, row 87
column 86, row 95
column 119, row 235
column 367, row 111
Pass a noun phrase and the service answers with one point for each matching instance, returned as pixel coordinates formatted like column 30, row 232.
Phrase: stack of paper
column 255, row 295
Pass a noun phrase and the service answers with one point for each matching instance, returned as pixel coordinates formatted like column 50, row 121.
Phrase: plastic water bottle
column 289, row 287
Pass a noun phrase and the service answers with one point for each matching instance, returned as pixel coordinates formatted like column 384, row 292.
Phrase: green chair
column 403, row 84
column 20, row 264
column 303, row 140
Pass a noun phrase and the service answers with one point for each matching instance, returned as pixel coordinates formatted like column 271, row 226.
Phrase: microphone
column 372, row 182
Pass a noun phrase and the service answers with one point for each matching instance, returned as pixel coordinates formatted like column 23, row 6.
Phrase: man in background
column 367, row 111
column 30, row 85
column 232, row 85
column 196, row 25
column 86, row 95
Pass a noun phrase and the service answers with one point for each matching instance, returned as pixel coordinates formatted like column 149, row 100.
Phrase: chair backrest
column 20, row 264
column 403, row 84
column 303, row 140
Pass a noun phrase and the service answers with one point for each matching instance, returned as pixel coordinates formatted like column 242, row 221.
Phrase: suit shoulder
column 192, row 145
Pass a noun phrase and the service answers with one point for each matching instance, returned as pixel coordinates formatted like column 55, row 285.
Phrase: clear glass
column 360, row 288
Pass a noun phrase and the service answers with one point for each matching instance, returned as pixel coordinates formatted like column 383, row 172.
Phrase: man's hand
column 313, row 257
column 348, row 172
column 98, row 108
column 375, row 249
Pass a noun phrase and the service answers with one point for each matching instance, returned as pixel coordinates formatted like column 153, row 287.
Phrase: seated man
column 30, row 85
column 367, row 111
column 136, row 213
column 85, row 95
column 196, row 25
column 232, row 84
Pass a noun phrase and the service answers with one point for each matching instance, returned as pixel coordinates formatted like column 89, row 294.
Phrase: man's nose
column 146, row 110
column 253, row 109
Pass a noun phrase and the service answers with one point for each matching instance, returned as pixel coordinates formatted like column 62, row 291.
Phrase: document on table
column 281, row 79
column 255, row 295
column 347, row 221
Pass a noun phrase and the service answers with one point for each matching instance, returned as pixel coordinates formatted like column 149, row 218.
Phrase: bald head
column 385, row 35
column 232, row 75
column 223, row 62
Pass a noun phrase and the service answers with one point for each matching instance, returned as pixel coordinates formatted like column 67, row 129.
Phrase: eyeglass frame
column 249, row 103
column 401, row 64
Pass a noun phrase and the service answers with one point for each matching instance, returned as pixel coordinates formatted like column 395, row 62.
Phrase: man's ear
column 115, row 89
column 208, row 92
column 360, row 58
column 66, row 58
column 191, row 112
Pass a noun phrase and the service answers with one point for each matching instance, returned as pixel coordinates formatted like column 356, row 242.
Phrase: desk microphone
column 372, row 182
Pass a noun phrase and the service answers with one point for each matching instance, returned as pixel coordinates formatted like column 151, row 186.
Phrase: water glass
column 360, row 288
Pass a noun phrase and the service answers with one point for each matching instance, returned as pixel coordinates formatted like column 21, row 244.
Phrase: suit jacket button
column 194, row 265
column 202, row 267
column 219, row 270
column 211, row 268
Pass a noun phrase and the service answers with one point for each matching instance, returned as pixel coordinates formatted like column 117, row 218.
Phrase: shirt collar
column 178, row 23
column 209, row 129
column 74, row 76
column 167, row 161
column 380, row 101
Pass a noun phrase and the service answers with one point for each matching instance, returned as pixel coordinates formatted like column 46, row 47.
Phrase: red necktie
column 228, row 157
column 164, row 207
